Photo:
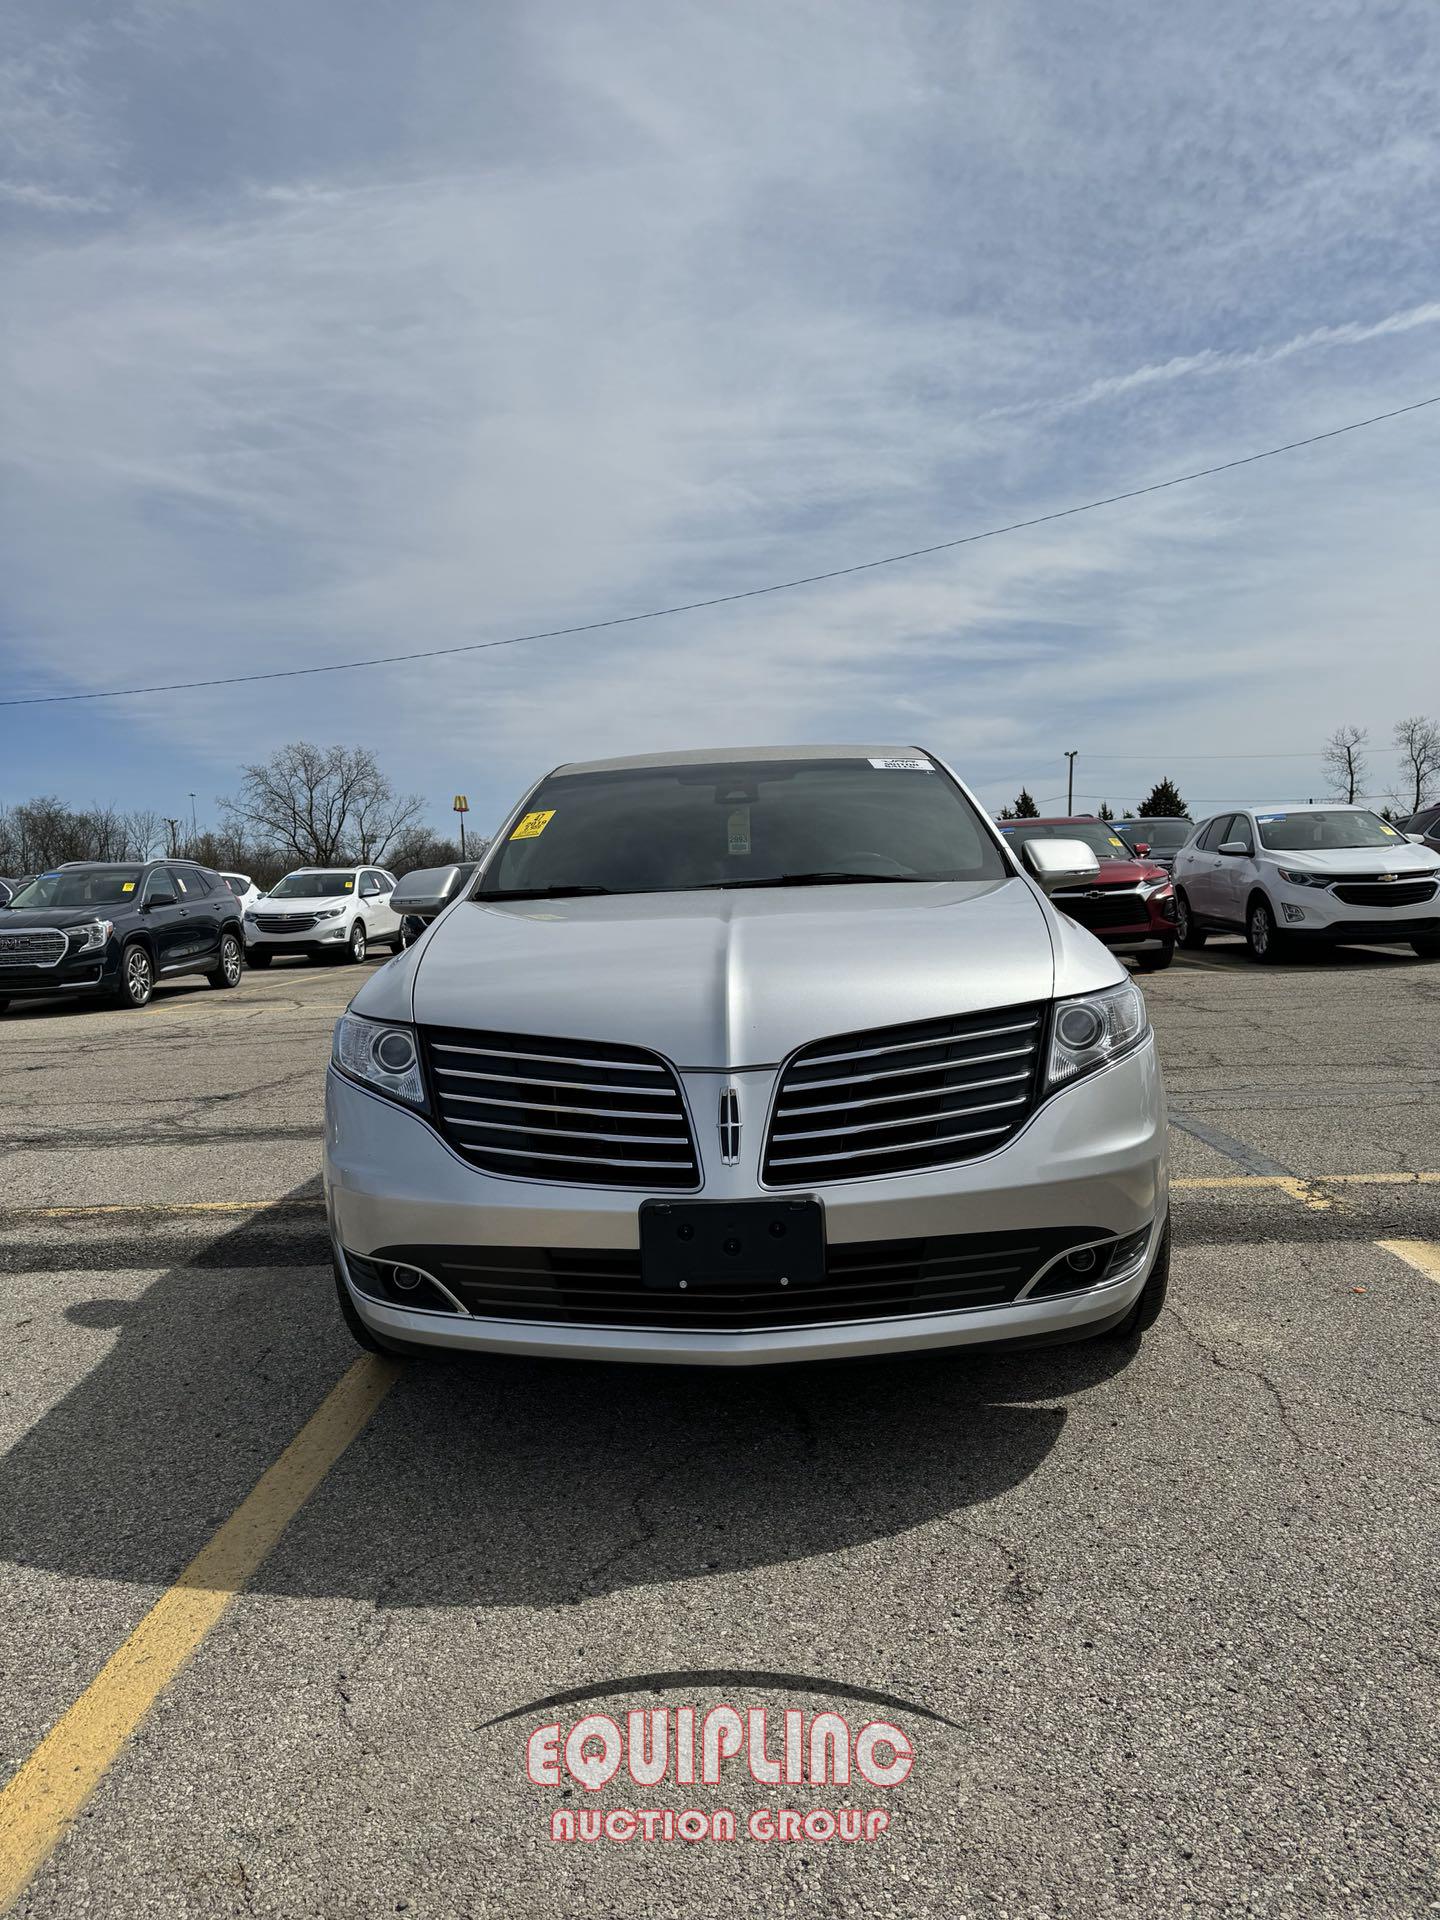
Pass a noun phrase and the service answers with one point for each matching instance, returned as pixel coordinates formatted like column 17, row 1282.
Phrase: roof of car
column 725, row 756
column 1059, row 820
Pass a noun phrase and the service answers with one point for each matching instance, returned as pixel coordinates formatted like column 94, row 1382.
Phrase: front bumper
column 1092, row 1155
column 1317, row 913
column 323, row 936
column 76, row 974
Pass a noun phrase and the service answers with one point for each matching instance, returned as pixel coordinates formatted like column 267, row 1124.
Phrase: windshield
column 81, row 887
column 312, row 886
column 1098, row 835
column 743, row 823
column 1315, row 832
column 1159, row 834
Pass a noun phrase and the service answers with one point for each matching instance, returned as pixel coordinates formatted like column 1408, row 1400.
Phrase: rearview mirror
column 1061, row 863
column 427, row 891
column 1233, row 846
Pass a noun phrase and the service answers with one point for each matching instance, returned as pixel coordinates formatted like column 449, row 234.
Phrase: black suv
column 114, row 928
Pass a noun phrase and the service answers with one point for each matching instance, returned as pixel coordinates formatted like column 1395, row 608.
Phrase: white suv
column 319, row 911
column 1331, row 873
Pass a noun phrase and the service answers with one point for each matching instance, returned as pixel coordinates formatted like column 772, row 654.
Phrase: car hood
column 1122, row 873
column 731, row 979
column 266, row 905
column 16, row 919
column 1402, row 857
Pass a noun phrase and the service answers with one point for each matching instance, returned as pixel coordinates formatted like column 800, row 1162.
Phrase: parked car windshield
column 1313, row 832
column 81, row 887
column 1098, row 835
column 1163, row 835
column 743, row 823
column 312, row 886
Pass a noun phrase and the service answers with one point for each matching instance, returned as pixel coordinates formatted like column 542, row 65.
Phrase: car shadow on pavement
column 496, row 1482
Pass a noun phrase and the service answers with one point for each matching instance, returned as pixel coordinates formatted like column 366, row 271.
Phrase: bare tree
column 143, row 833
column 1345, row 761
column 1419, row 742
column 321, row 804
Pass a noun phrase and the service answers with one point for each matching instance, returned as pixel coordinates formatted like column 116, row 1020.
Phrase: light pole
column 192, row 816
column 1070, row 795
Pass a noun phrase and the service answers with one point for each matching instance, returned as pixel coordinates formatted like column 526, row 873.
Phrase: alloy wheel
column 139, row 980
column 357, row 942
column 230, row 958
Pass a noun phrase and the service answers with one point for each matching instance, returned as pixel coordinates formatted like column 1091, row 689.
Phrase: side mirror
column 1417, row 838
column 1141, row 846
column 160, row 900
column 1061, row 863
column 427, row 891
column 1233, row 847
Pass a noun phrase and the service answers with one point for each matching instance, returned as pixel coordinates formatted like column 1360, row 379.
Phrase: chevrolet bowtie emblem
column 729, row 1126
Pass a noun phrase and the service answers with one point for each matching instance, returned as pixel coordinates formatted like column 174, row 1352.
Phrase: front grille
column 1114, row 907
column 34, row 947
column 583, row 1111
column 866, row 1280
column 1385, row 893
column 901, row 1099
column 284, row 922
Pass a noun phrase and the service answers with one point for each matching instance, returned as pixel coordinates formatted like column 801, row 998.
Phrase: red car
column 1131, row 907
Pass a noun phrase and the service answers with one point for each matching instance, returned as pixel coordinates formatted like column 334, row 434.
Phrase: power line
column 728, row 599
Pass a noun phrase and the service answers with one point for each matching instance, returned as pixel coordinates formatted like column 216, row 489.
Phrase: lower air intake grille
column 581, row 1111
column 900, row 1099
column 866, row 1280
column 1385, row 893
column 1118, row 909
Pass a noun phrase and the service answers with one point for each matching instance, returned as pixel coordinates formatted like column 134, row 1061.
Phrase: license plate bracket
column 711, row 1245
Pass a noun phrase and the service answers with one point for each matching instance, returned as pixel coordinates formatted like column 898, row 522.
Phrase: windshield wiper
column 819, row 879
column 544, row 893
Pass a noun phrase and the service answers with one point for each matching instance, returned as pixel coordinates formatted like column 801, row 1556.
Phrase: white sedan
column 334, row 912
column 1330, row 873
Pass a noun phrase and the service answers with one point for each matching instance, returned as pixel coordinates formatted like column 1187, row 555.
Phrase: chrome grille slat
column 33, row 947
column 529, row 1124
column 909, row 1120
column 915, row 1112
column 890, row 1099
column 931, row 1066
column 546, row 1059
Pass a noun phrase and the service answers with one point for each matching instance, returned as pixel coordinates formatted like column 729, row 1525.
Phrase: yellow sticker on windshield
column 349, row 886
column 533, row 825
column 1117, row 843
column 1391, row 831
column 127, row 886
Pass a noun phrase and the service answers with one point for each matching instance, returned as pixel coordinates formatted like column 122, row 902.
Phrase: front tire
column 232, row 963
column 355, row 946
column 1187, row 933
column 137, row 977
column 1153, row 961
column 1262, row 936
column 1146, row 1310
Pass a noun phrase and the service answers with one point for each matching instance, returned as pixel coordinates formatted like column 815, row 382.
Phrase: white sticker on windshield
column 916, row 765
column 1266, row 818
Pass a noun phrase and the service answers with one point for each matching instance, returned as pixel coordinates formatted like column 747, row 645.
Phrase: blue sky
column 337, row 329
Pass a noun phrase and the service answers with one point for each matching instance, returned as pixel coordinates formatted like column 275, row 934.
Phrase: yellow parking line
column 1420, row 1254
column 1289, row 1181
column 161, row 1206
column 38, row 1804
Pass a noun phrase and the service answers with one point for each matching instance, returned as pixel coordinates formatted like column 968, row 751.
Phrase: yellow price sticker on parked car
column 127, row 886
column 533, row 825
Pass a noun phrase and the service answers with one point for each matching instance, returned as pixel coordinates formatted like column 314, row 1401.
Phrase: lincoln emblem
column 729, row 1126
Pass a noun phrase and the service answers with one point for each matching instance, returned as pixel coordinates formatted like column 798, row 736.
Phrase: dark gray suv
column 113, row 928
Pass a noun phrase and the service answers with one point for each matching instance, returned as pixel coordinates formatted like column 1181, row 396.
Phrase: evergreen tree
column 1163, row 802
column 1025, row 807
column 1105, row 811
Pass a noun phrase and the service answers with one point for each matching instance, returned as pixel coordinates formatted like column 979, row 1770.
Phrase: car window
column 371, row 883
column 160, row 881
column 237, row 883
column 314, row 884
column 739, row 823
column 1318, row 829
column 81, row 887
column 1215, row 832
column 1104, row 840
column 1241, row 830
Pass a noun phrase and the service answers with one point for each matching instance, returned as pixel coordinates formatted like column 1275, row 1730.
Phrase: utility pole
column 1070, row 795
column 174, row 826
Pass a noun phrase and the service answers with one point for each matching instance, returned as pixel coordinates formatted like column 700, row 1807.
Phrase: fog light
column 1292, row 913
column 407, row 1278
column 1082, row 1260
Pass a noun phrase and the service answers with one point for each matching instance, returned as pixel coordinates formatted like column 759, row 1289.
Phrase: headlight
column 1298, row 879
column 92, row 936
column 1095, row 1028
column 380, row 1056
column 328, row 913
column 1149, row 888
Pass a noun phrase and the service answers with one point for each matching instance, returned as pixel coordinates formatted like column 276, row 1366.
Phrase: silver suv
column 742, row 1057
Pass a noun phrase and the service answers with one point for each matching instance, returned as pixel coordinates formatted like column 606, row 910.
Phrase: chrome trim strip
column 897, row 1073
column 889, row 1099
column 909, row 1120
column 552, row 1059
column 581, row 1086
column 913, row 1046
column 869, row 1153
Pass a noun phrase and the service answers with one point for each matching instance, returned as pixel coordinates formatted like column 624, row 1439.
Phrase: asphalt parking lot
column 1160, row 1621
